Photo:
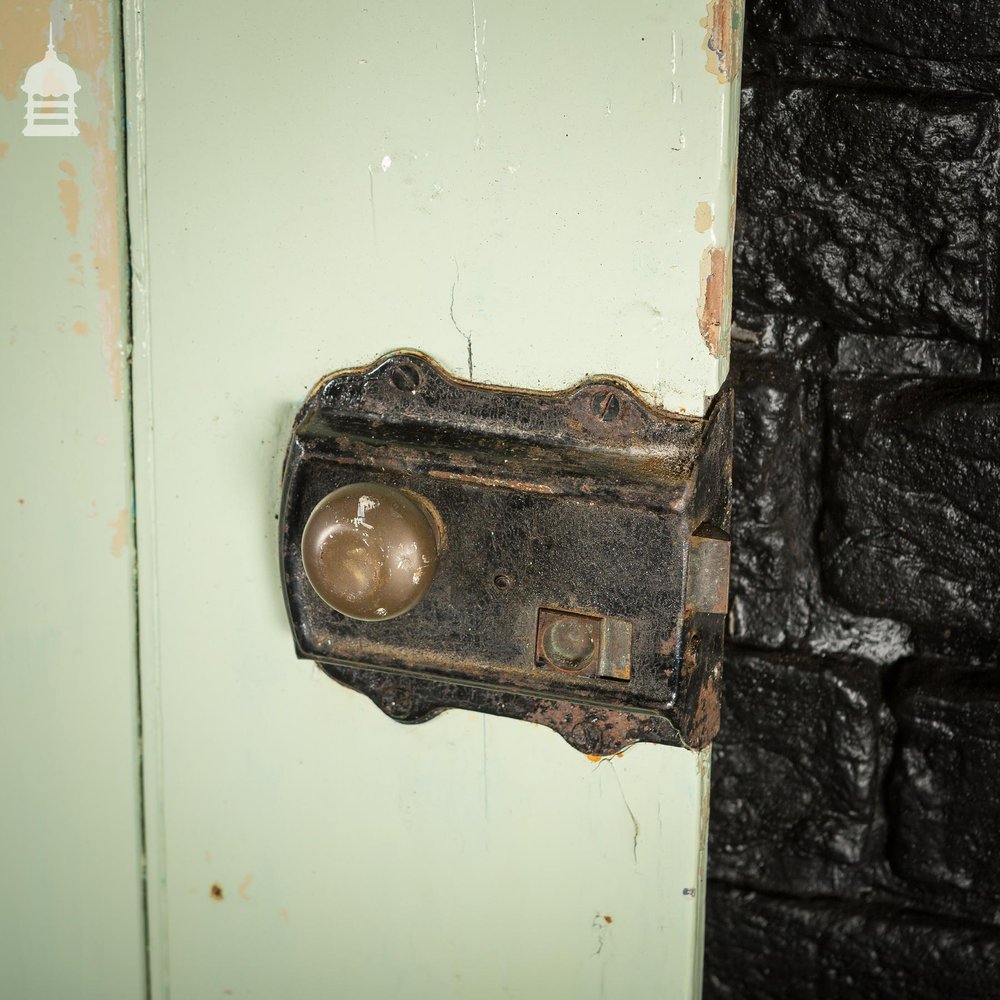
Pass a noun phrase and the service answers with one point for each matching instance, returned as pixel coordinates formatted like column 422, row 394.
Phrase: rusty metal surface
column 581, row 502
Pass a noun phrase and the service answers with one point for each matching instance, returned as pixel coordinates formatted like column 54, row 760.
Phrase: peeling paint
column 91, row 49
column 23, row 31
column 722, row 38
column 69, row 197
column 712, row 299
column 703, row 217
column 84, row 37
column 120, row 538
column 77, row 276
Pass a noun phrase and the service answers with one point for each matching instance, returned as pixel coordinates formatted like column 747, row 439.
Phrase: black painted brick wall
column 855, row 833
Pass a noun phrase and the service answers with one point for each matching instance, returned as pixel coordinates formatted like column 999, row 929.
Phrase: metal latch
column 557, row 557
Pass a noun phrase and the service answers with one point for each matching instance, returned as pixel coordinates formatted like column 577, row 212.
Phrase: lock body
column 581, row 561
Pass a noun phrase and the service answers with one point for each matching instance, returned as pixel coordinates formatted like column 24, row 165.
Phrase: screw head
column 399, row 702
column 606, row 405
column 588, row 736
column 405, row 377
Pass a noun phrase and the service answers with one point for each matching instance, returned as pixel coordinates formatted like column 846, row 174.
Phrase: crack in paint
column 628, row 808
column 467, row 337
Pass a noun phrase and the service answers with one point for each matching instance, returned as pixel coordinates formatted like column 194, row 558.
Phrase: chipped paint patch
column 23, row 32
column 84, row 37
column 703, row 217
column 712, row 299
column 90, row 44
column 119, row 540
column 80, row 328
column 4, row 146
column 722, row 38
column 69, row 197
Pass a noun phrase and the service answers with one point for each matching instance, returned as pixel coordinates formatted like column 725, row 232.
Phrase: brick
column 775, row 594
column 955, row 31
column 797, row 772
column 872, row 212
column 775, row 497
column 767, row 948
column 858, row 354
column 945, row 785
column 914, row 473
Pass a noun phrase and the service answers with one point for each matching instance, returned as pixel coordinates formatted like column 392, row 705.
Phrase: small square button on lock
column 584, row 644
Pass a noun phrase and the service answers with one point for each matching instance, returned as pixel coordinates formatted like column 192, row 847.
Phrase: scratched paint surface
column 516, row 182
column 515, row 189
column 70, row 923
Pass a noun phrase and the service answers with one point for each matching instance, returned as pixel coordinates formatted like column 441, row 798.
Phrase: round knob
column 369, row 551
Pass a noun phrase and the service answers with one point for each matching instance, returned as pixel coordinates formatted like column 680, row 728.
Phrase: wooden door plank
column 529, row 192
column 71, row 923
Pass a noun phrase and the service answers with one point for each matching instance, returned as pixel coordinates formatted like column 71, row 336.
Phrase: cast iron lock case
column 583, row 564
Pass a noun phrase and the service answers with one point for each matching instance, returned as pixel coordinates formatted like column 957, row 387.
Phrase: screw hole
column 503, row 582
column 405, row 377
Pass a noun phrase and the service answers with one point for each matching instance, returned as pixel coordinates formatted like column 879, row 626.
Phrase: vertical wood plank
column 70, row 876
column 530, row 193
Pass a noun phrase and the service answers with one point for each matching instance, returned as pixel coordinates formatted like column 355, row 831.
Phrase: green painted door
column 71, row 923
column 530, row 193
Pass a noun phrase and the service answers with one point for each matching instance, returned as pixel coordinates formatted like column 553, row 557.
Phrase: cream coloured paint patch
column 703, row 217
column 69, row 197
column 119, row 540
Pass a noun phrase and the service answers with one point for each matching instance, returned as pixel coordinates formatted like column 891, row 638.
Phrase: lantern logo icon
column 51, row 86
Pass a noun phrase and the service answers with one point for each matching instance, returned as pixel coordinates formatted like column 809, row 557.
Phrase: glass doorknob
column 370, row 551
